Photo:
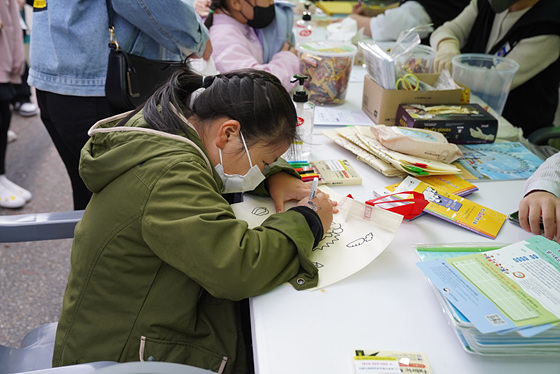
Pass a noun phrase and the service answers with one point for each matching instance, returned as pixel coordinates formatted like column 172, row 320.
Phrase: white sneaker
column 12, row 136
column 6, row 184
column 9, row 199
column 28, row 109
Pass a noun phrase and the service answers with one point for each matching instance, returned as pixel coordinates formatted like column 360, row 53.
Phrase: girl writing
column 159, row 260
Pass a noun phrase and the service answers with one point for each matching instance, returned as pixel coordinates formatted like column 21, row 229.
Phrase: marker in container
column 313, row 191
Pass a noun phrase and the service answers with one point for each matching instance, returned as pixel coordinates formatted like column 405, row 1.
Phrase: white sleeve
column 388, row 25
column 458, row 28
column 546, row 177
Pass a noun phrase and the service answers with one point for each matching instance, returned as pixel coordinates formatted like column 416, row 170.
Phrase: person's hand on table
column 540, row 204
column 363, row 23
column 368, row 11
column 288, row 47
column 446, row 50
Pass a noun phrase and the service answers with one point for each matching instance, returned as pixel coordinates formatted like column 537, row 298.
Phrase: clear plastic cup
column 328, row 65
column 487, row 76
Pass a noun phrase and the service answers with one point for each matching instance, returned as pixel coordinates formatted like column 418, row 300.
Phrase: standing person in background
column 11, row 68
column 388, row 23
column 541, row 200
column 21, row 101
column 68, row 62
column 526, row 31
column 253, row 34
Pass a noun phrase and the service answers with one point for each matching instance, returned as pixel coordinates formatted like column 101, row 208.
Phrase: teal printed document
column 516, row 287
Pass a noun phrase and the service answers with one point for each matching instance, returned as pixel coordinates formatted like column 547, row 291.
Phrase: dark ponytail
column 214, row 4
column 254, row 98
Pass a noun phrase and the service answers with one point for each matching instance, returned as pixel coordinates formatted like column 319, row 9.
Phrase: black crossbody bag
column 132, row 79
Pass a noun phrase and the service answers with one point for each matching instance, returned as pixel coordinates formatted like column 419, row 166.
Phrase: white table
column 386, row 306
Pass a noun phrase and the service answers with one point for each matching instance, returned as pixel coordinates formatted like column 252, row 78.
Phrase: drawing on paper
column 260, row 211
column 331, row 237
column 356, row 228
column 360, row 241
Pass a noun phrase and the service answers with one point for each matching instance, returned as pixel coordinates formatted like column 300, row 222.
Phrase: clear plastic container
column 487, row 76
column 328, row 65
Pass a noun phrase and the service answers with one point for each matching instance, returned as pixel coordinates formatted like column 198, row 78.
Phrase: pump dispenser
column 301, row 147
column 304, row 30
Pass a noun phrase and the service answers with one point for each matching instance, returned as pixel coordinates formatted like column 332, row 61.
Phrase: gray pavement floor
column 33, row 274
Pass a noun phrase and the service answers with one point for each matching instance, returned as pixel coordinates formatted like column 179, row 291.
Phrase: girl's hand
column 285, row 187
column 323, row 207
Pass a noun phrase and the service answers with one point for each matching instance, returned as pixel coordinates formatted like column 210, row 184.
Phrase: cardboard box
column 461, row 124
column 381, row 105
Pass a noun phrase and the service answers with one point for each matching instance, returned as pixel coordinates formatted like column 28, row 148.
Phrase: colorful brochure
column 456, row 209
column 449, row 183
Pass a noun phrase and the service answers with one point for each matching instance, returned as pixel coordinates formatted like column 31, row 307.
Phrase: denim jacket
column 69, row 40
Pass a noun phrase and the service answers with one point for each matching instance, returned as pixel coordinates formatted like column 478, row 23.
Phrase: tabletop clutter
column 427, row 131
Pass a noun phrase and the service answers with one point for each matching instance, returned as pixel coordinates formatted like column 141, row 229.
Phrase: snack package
column 417, row 142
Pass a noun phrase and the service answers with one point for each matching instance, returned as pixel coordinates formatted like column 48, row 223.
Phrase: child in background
column 160, row 265
column 542, row 200
column 11, row 69
column 253, row 34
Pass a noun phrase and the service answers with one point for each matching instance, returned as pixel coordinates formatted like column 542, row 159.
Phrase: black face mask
column 262, row 16
column 499, row 6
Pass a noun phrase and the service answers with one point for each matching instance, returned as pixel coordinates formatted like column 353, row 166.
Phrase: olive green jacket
column 159, row 261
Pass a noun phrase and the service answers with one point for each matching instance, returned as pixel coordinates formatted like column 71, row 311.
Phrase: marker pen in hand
column 313, row 191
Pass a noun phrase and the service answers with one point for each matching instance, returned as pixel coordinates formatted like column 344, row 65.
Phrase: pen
column 313, row 191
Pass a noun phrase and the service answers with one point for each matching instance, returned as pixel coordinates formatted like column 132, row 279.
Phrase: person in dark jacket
column 526, row 31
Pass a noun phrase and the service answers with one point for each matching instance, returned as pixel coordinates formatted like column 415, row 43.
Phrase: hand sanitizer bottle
column 304, row 31
column 301, row 147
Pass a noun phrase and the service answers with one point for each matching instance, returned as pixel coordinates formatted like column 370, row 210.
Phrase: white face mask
column 240, row 183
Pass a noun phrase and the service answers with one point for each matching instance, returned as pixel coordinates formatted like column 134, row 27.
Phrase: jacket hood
column 113, row 150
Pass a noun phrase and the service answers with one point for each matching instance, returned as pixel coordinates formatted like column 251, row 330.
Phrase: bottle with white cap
column 304, row 30
column 301, row 147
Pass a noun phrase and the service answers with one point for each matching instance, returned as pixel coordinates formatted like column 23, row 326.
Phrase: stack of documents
column 362, row 142
column 502, row 300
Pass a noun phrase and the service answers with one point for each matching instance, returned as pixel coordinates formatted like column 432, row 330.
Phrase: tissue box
column 381, row 105
column 460, row 124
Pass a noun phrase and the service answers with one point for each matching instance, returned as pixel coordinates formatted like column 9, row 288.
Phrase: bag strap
column 111, row 13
